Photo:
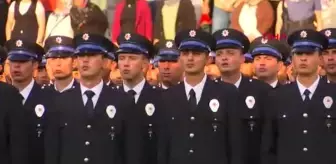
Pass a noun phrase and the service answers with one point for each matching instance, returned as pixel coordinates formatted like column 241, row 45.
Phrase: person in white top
column 23, row 14
column 59, row 22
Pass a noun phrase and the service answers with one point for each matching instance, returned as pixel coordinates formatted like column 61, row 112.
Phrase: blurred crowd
column 159, row 21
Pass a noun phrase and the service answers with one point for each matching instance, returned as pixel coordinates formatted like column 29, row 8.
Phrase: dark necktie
column 89, row 103
column 306, row 93
column 192, row 100
column 132, row 93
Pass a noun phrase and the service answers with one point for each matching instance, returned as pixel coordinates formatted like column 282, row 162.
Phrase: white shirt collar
column 274, row 84
column 138, row 88
column 96, row 89
column 67, row 87
column 237, row 83
column 312, row 88
column 197, row 88
column 25, row 92
column 163, row 86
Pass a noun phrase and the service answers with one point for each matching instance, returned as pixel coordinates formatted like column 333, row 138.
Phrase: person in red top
column 49, row 6
column 132, row 16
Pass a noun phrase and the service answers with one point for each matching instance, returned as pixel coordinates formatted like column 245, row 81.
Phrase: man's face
column 329, row 61
column 306, row 63
column 193, row 62
column 266, row 66
column 61, row 68
column 229, row 60
column 42, row 76
column 131, row 65
column 21, row 71
column 91, row 65
column 170, row 71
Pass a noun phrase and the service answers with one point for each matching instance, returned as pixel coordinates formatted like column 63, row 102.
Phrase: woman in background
column 133, row 16
column 26, row 20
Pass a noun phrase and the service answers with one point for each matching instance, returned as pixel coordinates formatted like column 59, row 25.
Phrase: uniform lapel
column 243, row 83
column 101, row 103
column 181, row 94
column 30, row 99
column 204, row 101
column 143, row 94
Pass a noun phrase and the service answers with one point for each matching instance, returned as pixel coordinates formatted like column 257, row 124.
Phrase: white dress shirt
column 138, row 88
column 274, row 84
column 26, row 91
column 312, row 88
column 67, row 87
column 96, row 89
column 197, row 88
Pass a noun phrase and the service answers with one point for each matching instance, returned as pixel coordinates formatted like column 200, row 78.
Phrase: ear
column 74, row 63
column 35, row 65
column 321, row 61
column 242, row 58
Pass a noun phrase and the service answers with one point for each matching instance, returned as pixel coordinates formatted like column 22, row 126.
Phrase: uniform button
column 88, row 126
column 86, row 159
column 191, row 151
column 305, row 149
column 21, row 31
column 191, row 135
column 305, row 115
column 192, row 118
column 305, row 131
column 87, row 143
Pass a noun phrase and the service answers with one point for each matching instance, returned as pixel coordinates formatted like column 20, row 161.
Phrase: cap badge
column 86, row 36
column 19, row 43
column 303, row 34
column 169, row 44
column 192, row 33
column 59, row 40
column 225, row 33
column 327, row 33
column 128, row 36
column 264, row 41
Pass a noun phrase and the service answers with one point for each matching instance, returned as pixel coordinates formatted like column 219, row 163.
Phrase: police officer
column 61, row 61
column 42, row 77
column 230, row 49
column 13, row 136
column 92, row 123
column 110, row 61
column 24, row 58
column 170, row 69
column 303, row 112
column 268, row 58
column 329, row 55
column 133, row 55
column 199, row 121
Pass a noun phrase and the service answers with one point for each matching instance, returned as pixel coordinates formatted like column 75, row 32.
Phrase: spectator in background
column 132, row 16
column 3, row 17
column 222, row 14
column 59, row 22
column 253, row 17
column 87, row 17
column 293, row 15
column 328, row 13
column 172, row 17
column 26, row 20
